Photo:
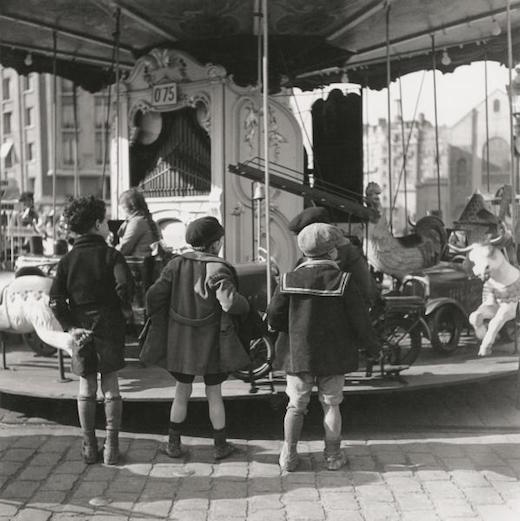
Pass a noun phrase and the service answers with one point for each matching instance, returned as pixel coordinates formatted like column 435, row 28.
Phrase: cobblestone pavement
column 399, row 469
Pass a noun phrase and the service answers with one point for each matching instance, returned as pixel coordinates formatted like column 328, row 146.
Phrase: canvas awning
column 5, row 148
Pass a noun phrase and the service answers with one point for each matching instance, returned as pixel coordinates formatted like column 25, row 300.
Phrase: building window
column 67, row 148
column 27, row 82
column 100, row 148
column 496, row 105
column 7, row 122
column 67, row 112
column 30, row 151
column 100, row 111
column 28, row 116
column 460, row 173
column 6, row 88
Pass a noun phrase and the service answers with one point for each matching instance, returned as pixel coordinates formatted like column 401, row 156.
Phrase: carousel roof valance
column 311, row 43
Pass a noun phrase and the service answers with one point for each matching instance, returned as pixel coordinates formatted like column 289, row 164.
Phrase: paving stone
column 32, row 514
column 380, row 512
column 47, row 458
column 154, row 509
column 343, row 515
column 453, row 507
column 421, row 515
column 496, row 513
column 374, row 493
column 299, row 493
column 60, row 482
column 20, row 489
column 18, row 454
column 340, row 501
column 305, row 510
column 483, row 496
column 442, row 489
column 200, row 503
column 412, row 501
column 265, row 502
column 229, row 507
column 9, row 508
column 403, row 484
column 268, row 515
column 35, row 473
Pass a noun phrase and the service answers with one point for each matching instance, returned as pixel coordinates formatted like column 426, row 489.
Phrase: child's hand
column 80, row 335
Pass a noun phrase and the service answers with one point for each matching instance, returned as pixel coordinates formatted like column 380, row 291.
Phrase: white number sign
column 165, row 94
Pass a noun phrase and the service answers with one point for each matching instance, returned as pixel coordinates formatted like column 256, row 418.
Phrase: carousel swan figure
column 404, row 255
column 24, row 308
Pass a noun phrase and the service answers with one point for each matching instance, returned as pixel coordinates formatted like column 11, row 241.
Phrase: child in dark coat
column 197, row 291
column 321, row 316
column 90, row 295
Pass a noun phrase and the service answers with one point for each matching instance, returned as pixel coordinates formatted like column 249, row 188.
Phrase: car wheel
column 38, row 346
column 445, row 327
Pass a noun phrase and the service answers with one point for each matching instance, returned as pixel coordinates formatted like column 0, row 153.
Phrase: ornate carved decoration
column 201, row 102
column 251, row 123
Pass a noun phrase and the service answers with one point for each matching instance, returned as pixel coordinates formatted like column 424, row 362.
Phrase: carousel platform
column 37, row 376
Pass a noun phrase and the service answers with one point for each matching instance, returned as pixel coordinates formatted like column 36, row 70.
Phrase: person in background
column 139, row 231
column 197, row 294
column 350, row 258
column 321, row 317
column 28, row 217
column 90, row 296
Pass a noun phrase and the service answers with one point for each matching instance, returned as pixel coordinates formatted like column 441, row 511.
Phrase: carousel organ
column 178, row 162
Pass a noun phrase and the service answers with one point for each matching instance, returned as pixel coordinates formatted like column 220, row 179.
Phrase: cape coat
column 322, row 319
column 190, row 306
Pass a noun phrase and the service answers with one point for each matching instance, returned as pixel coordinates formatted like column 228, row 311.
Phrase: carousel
column 201, row 119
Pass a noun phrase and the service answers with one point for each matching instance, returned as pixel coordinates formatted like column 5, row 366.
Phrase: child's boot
column 113, row 413
column 334, row 457
column 174, row 448
column 87, row 420
column 293, row 424
column 223, row 448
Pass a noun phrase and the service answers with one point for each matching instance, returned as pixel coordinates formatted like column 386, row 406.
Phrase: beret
column 313, row 214
column 204, row 231
column 317, row 239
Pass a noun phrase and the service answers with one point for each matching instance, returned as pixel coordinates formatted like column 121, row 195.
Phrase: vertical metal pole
column 389, row 126
column 513, row 170
column 54, row 129
column 76, row 139
column 265, row 104
column 21, row 133
column 434, row 68
column 404, row 158
column 487, row 119
column 118, row 109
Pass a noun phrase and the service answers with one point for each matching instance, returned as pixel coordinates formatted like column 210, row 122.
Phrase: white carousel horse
column 404, row 255
column 24, row 308
column 501, row 292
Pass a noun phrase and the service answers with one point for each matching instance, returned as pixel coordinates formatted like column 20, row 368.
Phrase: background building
column 26, row 136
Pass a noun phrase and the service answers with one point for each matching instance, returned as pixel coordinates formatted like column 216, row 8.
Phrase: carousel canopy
column 311, row 42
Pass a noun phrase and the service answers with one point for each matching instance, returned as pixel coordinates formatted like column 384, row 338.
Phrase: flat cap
column 317, row 239
column 313, row 214
column 203, row 231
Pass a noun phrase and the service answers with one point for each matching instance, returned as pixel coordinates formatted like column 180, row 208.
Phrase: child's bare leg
column 87, row 416
column 178, row 413
column 113, row 415
column 217, row 416
column 217, row 413
column 331, row 422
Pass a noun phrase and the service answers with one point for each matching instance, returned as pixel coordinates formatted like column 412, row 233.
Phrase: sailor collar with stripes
column 330, row 283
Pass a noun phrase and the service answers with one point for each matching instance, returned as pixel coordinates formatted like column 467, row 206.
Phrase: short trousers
column 209, row 379
column 299, row 388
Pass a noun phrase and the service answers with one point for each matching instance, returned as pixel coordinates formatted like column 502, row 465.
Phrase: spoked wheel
column 261, row 352
column 38, row 346
column 402, row 337
column 445, row 327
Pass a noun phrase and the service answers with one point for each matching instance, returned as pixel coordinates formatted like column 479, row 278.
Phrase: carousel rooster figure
column 24, row 308
column 501, row 292
column 401, row 256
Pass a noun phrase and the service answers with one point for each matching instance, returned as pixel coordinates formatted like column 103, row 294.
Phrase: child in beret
column 321, row 315
column 198, row 292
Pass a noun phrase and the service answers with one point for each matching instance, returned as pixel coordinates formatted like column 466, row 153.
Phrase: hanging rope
column 389, row 124
column 434, row 67
column 403, row 168
column 54, row 128
column 487, row 118
column 76, row 139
